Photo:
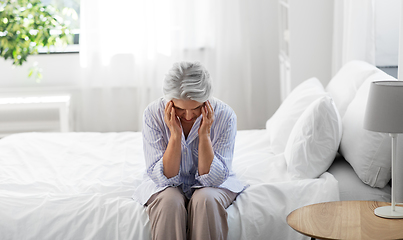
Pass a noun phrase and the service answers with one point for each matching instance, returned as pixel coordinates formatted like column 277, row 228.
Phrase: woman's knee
column 205, row 197
column 172, row 197
column 169, row 200
column 213, row 197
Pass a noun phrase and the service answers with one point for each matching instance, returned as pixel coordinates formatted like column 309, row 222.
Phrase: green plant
column 26, row 25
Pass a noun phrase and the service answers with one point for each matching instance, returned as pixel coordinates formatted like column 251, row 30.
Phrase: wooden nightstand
column 345, row 220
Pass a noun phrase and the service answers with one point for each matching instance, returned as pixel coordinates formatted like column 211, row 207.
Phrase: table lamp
column 384, row 113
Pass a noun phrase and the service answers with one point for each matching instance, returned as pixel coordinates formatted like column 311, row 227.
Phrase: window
column 70, row 12
column 387, row 19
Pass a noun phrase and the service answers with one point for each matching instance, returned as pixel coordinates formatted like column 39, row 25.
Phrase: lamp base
column 386, row 212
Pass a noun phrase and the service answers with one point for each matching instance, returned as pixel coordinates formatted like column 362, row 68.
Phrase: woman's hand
column 172, row 120
column 207, row 120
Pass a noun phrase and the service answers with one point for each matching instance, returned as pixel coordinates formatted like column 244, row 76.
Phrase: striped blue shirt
column 155, row 141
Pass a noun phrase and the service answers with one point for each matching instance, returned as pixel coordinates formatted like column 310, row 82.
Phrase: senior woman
column 188, row 141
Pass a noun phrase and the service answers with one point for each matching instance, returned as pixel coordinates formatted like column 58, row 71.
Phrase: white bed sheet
column 79, row 186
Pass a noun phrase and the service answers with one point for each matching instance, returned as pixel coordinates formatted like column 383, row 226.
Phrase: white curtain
column 126, row 47
column 354, row 32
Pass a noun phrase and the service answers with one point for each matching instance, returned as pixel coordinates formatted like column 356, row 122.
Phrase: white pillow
column 369, row 153
column 279, row 126
column 314, row 140
column 344, row 85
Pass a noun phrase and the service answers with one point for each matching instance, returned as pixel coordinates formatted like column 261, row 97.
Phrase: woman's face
column 187, row 110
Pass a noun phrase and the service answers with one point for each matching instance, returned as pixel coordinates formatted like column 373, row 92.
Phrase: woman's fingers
column 204, row 111
column 173, row 115
column 169, row 113
column 171, row 119
column 210, row 111
column 207, row 119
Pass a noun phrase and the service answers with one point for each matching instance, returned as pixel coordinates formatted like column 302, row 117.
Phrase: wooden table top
column 345, row 220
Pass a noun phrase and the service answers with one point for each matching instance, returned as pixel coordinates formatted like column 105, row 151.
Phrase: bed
column 79, row 185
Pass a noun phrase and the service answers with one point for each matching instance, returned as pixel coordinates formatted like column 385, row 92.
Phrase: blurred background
column 256, row 51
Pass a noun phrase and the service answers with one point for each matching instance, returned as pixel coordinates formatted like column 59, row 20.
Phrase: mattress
column 79, row 186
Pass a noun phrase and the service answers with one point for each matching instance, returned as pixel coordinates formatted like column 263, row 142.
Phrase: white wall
column 58, row 70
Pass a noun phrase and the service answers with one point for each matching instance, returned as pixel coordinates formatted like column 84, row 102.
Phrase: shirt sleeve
column 154, row 145
column 223, row 144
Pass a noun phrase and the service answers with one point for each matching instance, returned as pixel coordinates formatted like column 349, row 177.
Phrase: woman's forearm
column 206, row 154
column 172, row 157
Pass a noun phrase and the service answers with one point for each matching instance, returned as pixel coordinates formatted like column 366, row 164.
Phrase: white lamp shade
column 384, row 112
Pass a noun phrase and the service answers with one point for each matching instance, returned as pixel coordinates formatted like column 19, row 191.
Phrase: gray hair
column 187, row 81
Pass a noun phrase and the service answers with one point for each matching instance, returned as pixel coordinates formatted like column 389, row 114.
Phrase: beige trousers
column 203, row 217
